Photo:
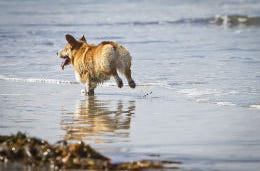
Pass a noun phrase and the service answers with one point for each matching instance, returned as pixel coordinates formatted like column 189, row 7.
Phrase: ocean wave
column 226, row 20
column 235, row 20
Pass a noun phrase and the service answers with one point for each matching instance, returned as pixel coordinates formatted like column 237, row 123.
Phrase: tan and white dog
column 94, row 64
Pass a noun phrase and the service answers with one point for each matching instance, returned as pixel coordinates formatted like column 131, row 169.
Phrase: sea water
column 196, row 65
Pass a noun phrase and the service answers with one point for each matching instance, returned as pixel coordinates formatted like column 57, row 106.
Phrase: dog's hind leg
column 118, row 80
column 129, row 78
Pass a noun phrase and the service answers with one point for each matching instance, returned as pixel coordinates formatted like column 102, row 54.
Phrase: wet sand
column 149, row 122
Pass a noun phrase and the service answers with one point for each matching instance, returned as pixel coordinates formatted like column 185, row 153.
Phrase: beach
column 197, row 73
column 149, row 122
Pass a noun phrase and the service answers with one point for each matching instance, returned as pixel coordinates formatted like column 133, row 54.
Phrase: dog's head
column 71, row 47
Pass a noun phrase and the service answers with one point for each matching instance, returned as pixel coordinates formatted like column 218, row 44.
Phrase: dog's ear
column 72, row 41
column 83, row 39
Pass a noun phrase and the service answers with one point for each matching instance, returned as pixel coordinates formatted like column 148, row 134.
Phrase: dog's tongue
column 64, row 62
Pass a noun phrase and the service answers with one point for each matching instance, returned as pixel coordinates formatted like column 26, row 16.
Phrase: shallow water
column 198, row 94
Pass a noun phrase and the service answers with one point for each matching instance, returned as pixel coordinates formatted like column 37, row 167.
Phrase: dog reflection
column 101, row 121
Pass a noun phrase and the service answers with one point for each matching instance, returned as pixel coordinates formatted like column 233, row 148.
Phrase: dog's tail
column 124, row 59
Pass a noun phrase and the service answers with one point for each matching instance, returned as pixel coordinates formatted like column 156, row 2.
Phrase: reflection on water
column 98, row 121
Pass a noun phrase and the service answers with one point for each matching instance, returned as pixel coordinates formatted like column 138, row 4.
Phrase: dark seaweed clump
column 62, row 155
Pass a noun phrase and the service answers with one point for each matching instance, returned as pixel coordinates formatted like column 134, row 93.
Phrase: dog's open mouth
column 64, row 62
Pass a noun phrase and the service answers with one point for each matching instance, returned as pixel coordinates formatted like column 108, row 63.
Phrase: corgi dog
column 94, row 64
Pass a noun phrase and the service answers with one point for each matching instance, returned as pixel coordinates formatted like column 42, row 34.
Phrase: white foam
column 225, row 104
column 167, row 86
column 193, row 92
column 151, row 84
column 255, row 106
column 207, row 96
column 14, row 94
column 108, row 84
column 57, row 81
column 37, row 80
column 233, row 92
column 202, row 100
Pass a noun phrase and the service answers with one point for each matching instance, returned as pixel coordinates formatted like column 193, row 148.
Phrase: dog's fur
column 94, row 64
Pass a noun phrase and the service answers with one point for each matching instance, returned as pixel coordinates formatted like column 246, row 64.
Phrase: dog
column 95, row 64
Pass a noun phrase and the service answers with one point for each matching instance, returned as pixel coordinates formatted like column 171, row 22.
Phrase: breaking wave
column 225, row 20
column 235, row 20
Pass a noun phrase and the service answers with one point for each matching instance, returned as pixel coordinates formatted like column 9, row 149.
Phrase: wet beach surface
column 197, row 72
column 130, row 125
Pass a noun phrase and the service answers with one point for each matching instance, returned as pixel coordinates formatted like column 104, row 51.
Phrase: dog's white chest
column 77, row 76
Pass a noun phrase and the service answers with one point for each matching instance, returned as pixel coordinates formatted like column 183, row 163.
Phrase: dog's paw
column 91, row 93
column 132, row 84
column 120, row 83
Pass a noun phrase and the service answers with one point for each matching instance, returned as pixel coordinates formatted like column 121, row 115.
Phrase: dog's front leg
column 90, row 87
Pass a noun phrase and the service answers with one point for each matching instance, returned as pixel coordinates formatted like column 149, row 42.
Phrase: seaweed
column 63, row 155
